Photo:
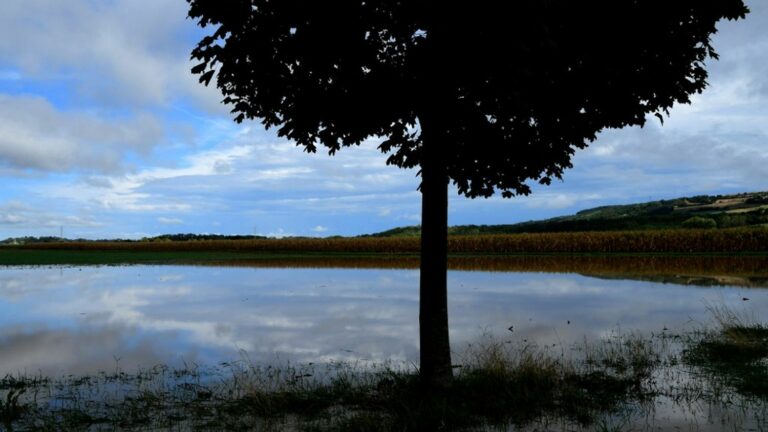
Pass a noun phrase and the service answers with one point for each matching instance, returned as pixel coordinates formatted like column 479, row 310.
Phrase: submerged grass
column 734, row 354
column 499, row 385
column 613, row 384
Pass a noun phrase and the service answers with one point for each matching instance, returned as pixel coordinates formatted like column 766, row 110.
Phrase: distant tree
column 489, row 95
column 699, row 222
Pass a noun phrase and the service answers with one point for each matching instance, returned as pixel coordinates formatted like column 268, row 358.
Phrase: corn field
column 735, row 240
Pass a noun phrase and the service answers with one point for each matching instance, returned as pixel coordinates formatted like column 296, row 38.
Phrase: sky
column 104, row 133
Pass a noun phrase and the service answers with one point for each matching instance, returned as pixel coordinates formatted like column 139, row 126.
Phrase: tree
column 489, row 96
column 699, row 222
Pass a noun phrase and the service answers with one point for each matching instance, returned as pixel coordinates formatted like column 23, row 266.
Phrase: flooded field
column 85, row 321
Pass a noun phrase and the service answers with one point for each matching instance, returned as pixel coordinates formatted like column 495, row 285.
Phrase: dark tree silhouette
column 490, row 95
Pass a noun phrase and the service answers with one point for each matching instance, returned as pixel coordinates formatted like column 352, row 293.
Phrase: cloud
column 246, row 170
column 170, row 221
column 9, row 75
column 97, row 181
column 692, row 154
column 127, row 192
column 409, row 217
column 121, row 53
column 552, row 201
column 278, row 233
column 319, row 229
column 11, row 219
column 35, row 135
column 70, row 221
column 23, row 217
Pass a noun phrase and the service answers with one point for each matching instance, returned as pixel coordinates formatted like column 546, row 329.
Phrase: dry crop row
column 662, row 241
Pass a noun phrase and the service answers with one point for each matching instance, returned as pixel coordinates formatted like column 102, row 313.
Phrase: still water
column 79, row 320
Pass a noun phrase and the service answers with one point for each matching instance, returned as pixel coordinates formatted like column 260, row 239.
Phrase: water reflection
column 700, row 270
column 79, row 320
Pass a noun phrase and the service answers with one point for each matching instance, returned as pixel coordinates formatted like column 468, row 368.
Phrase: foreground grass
column 734, row 356
column 614, row 384
column 501, row 386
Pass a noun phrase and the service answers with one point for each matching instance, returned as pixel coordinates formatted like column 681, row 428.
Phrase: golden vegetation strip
column 745, row 266
column 736, row 240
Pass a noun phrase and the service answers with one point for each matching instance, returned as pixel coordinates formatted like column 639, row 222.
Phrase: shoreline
column 497, row 384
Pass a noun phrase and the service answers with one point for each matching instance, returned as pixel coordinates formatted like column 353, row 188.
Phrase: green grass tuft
column 735, row 354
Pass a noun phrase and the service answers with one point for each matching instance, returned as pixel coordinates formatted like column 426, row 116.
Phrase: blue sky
column 104, row 132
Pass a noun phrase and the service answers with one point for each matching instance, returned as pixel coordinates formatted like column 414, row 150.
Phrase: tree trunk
column 436, row 371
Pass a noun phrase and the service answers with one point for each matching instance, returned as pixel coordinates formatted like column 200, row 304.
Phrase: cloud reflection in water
column 80, row 320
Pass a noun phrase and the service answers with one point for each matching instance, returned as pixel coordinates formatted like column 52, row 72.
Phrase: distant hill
column 703, row 211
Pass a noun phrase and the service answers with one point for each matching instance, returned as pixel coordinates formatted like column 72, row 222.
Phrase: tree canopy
column 492, row 95
column 513, row 88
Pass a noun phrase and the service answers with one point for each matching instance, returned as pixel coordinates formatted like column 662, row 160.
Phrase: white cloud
column 11, row 219
column 9, row 75
column 124, row 193
column 409, row 217
column 98, row 181
column 320, row 229
column 278, row 233
column 170, row 221
column 246, row 172
column 552, row 201
column 123, row 52
column 22, row 217
column 706, row 150
column 35, row 135
column 70, row 221
column 603, row 150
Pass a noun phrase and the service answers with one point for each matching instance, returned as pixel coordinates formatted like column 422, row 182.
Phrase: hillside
column 703, row 211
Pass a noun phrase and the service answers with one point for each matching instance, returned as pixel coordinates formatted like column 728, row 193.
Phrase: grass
column 734, row 354
column 613, row 384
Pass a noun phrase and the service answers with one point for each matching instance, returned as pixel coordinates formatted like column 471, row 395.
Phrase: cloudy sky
column 104, row 132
